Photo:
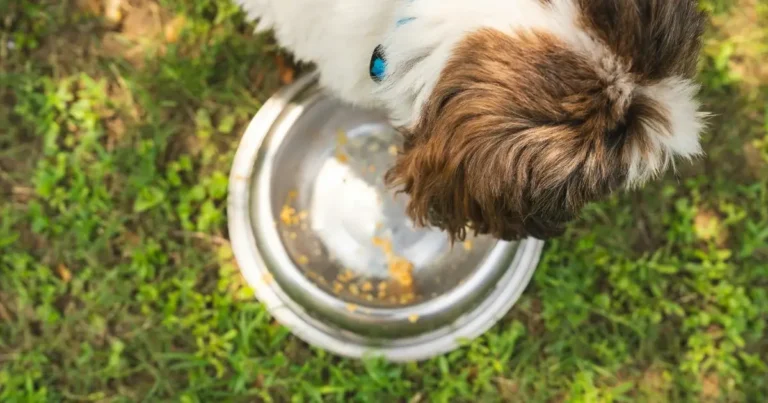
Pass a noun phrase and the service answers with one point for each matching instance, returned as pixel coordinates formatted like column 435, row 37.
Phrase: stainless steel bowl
column 329, row 250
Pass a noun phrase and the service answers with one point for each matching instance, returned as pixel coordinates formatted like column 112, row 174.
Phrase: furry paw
column 258, row 10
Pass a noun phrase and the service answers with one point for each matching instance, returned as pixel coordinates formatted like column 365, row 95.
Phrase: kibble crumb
column 343, row 158
column 341, row 138
column 346, row 276
column 406, row 298
column 337, row 287
column 402, row 271
column 288, row 215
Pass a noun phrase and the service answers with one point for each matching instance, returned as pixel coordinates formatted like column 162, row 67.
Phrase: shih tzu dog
column 516, row 113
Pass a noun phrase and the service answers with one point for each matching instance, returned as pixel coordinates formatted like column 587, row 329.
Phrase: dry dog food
column 400, row 269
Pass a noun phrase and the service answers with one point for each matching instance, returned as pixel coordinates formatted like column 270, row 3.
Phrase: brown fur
column 656, row 38
column 521, row 132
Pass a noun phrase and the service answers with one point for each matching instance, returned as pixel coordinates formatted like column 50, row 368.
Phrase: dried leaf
column 113, row 11
column 508, row 389
column 755, row 162
column 710, row 388
column 89, row 6
column 417, row 398
column 64, row 273
column 142, row 23
column 173, row 29
column 708, row 227
column 286, row 72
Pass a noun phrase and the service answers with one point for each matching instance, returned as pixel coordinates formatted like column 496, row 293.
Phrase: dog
column 515, row 113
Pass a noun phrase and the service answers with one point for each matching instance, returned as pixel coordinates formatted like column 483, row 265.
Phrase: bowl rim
column 252, row 262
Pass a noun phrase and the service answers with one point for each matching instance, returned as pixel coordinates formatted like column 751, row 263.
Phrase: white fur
column 337, row 35
column 340, row 35
column 677, row 97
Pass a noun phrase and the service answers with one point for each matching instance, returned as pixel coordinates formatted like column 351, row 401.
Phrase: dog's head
column 518, row 113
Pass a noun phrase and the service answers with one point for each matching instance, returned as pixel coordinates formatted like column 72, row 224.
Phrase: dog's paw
column 258, row 10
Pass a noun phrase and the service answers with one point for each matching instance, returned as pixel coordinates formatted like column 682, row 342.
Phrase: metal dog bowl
column 329, row 250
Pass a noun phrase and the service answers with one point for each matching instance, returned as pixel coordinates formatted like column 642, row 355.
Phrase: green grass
column 117, row 282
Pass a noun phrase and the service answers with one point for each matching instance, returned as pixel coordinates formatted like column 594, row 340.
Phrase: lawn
column 117, row 282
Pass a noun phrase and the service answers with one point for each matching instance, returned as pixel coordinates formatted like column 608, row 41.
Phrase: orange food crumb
column 468, row 245
column 401, row 270
column 382, row 288
column 343, row 158
column 303, row 260
column 341, row 138
column 292, row 195
column 288, row 215
column 392, row 150
column 346, row 277
column 318, row 278
column 267, row 278
column 351, row 307
column 406, row 298
column 384, row 244
column 367, row 286
column 337, row 287
column 413, row 318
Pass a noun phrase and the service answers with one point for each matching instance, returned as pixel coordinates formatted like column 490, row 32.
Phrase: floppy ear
column 521, row 132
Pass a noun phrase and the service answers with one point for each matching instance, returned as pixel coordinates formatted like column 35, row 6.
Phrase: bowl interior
column 340, row 224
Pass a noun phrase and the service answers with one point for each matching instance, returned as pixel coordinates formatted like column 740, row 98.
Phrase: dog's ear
column 521, row 132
